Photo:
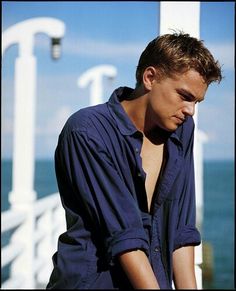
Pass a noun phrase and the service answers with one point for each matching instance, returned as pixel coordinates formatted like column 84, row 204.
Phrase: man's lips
column 180, row 119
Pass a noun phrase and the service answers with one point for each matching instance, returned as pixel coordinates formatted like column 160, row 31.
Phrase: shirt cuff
column 188, row 235
column 127, row 240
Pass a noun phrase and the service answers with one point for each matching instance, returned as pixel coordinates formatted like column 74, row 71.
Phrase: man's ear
column 149, row 76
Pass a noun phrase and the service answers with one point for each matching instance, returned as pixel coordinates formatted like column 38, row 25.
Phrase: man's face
column 172, row 99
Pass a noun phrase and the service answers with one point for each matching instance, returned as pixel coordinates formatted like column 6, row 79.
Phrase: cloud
column 217, row 121
column 224, row 53
column 55, row 123
column 47, row 134
column 97, row 48
column 101, row 48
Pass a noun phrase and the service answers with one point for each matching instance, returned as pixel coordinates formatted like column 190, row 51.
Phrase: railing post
column 22, row 195
column 22, row 266
column 185, row 16
column 58, row 217
column 24, row 129
column 44, row 247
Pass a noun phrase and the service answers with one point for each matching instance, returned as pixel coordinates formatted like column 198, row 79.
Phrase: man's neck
column 137, row 109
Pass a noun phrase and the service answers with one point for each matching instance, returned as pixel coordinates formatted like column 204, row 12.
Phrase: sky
column 112, row 33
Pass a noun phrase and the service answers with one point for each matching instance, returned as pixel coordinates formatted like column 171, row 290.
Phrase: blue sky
column 113, row 33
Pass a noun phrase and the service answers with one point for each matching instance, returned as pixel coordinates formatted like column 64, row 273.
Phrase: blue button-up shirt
column 102, row 187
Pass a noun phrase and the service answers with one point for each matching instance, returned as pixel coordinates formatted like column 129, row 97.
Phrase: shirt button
column 139, row 174
column 136, row 150
column 156, row 249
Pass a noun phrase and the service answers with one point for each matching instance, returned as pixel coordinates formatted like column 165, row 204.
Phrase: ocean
column 218, row 223
column 218, row 214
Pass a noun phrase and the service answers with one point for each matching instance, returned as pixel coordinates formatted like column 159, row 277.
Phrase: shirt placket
column 141, row 175
column 170, row 172
column 156, row 253
column 155, row 250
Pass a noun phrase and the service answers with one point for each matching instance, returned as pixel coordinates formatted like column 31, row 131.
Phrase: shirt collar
column 124, row 123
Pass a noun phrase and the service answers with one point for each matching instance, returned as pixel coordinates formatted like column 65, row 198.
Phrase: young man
column 125, row 174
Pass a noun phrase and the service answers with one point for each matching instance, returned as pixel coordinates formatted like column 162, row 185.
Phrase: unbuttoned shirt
column 102, row 188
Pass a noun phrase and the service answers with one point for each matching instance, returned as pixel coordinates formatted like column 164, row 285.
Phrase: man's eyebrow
column 189, row 94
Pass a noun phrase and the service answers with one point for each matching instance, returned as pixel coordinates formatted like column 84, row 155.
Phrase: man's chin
column 170, row 127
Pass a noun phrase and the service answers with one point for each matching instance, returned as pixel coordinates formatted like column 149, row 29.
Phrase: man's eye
column 184, row 97
column 188, row 98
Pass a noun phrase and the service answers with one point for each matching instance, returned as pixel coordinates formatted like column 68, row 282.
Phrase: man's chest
column 152, row 160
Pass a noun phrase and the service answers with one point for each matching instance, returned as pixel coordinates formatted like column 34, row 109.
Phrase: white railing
column 32, row 251
column 49, row 222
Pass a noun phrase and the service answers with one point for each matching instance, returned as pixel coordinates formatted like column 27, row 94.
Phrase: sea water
column 218, row 223
column 218, row 212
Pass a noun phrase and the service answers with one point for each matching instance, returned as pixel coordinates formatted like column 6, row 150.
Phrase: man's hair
column 177, row 53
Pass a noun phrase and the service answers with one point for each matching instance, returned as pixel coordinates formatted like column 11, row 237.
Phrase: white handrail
column 38, row 265
column 39, row 235
column 11, row 219
column 49, row 202
column 44, row 212
column 13, row 283
column 10, row 252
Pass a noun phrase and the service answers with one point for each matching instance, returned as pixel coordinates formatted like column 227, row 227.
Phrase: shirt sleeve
column 187, row 232
column 106, row 199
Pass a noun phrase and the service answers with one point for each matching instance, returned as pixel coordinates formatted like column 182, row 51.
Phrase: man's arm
column 138, row 270
column 183, row 268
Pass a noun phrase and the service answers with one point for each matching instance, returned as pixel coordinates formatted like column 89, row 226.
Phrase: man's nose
column 189, row 109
